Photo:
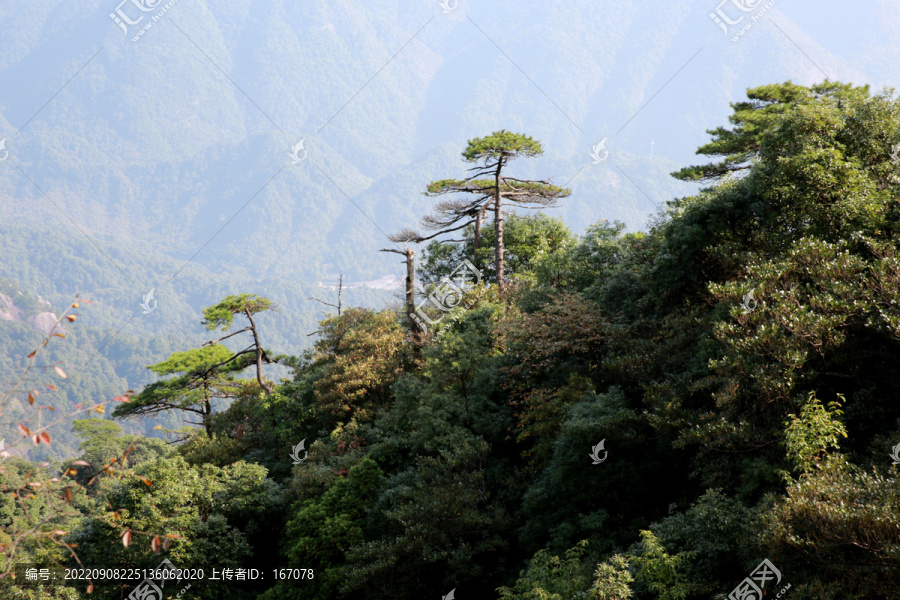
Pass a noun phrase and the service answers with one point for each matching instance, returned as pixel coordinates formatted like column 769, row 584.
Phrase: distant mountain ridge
column 151, row 144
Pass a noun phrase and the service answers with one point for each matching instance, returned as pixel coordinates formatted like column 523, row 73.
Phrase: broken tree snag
column 409, row 255
column 340, row 292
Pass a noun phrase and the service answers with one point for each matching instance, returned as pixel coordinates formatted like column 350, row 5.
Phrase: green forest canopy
column 734, row 433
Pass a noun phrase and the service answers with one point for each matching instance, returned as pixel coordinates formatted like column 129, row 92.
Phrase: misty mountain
column 165, row 163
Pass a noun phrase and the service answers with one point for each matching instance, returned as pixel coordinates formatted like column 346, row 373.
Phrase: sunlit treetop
column 757, row 117
column 222, row 314
column 193, row 361
column 501, row 145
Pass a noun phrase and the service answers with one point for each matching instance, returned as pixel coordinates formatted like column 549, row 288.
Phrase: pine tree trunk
column 207, row 412
column 259, row 354
column 498, row 228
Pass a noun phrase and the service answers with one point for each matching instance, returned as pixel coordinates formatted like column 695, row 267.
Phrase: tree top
column 190, row 361
column 222, row 314
column 502, row 145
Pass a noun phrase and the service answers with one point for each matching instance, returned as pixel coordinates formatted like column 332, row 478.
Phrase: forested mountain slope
column 703, row 410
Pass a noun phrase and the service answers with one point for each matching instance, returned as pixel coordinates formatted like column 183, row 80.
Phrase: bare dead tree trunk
column 411, row 289
column 332, row 305
column 477, row 239
column 409, row 254
column 259, row 354
column 498, row 227
column 340, row 291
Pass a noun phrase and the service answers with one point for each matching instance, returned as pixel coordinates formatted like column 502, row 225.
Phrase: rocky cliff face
column 8, row 310
column 45, row 322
